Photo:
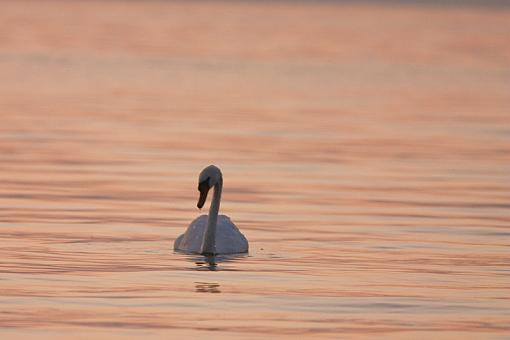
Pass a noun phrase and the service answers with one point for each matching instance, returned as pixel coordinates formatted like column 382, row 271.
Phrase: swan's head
column 207, row 179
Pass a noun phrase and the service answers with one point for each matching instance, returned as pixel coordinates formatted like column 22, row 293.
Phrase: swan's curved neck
column 209, row 243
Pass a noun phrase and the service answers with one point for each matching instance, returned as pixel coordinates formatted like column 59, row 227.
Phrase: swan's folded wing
column 191, row 240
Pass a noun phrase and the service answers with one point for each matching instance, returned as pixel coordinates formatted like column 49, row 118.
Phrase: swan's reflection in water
column 207, row 263
column 215, row 263
column 207, row 287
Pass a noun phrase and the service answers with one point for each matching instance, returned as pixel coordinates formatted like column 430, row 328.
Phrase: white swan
column 213, row 234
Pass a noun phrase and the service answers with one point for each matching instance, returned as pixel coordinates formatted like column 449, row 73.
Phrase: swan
column 211, row 234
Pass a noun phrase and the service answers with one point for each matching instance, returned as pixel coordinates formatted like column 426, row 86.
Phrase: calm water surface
column 365, row 150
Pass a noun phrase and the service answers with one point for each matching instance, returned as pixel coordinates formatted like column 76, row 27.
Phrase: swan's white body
column 211, row 234
column 229, row 239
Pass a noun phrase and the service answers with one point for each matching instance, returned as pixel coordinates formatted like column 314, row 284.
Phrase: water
column 365, row 151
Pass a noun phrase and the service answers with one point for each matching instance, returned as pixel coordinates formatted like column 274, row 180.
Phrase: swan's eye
column 204, row 185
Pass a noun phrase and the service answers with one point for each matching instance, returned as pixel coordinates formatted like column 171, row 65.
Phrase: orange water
column 365, row 150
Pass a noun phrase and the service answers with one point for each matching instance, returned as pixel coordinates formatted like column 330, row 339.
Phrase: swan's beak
column 204, row 189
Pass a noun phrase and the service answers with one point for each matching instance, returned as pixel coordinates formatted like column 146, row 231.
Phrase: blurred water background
column 365, row 149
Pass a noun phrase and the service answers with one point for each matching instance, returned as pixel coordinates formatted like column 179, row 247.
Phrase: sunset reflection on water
column 365, row 150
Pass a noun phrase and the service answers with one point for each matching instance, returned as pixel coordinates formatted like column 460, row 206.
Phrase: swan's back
column 229, row 240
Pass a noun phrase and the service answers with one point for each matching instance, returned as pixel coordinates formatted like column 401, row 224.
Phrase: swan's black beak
column 203, row 187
